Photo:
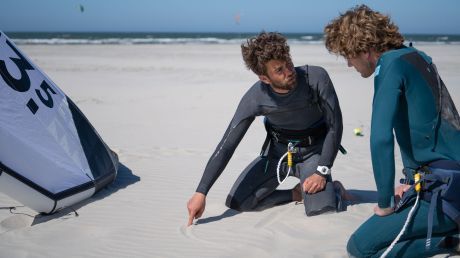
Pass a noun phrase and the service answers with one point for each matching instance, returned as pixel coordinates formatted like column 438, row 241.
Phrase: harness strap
column 433, row 204
column 265, row 145
column 303, row 138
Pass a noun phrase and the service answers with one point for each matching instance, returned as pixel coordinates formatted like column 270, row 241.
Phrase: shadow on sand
column 124, row 178
column 227, row 214
column 361, row 196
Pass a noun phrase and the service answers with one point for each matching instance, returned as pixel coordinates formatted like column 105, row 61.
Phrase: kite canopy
column 51, row 157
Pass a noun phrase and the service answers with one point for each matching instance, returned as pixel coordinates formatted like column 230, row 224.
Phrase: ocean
column 125, row 38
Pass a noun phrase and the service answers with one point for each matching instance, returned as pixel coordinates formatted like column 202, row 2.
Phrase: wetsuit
column 296, row 110
column 409, row 100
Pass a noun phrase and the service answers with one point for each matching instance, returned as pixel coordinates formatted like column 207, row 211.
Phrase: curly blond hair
column 257, row 51
column 359, row 30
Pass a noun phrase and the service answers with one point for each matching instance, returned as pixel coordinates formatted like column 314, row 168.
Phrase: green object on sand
column 358, row 131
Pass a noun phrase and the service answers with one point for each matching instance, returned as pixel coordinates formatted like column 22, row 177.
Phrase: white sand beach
column 163, row 109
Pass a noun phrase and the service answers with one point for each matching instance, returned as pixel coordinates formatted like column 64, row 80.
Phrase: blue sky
column 412, row 16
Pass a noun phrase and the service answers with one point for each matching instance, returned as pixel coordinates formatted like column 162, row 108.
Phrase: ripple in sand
column 15, row 222
column 187, row 231
column 89, row 100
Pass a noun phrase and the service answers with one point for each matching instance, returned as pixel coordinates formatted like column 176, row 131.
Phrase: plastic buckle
column 291, row 148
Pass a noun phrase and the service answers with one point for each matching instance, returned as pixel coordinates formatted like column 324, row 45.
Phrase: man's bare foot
column 346, row 196
column 297, row 193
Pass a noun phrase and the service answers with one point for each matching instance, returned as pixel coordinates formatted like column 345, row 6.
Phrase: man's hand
column 399, row 191
column 314, row 184
column 195, row 207
column 383, row 211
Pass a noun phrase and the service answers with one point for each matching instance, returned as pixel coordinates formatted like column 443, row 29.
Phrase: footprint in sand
column 15, row 222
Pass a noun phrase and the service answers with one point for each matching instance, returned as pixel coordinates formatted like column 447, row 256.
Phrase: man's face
column 362, row 64
column 280, row 75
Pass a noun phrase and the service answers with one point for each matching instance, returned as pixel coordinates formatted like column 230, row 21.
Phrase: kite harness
column 435, row 184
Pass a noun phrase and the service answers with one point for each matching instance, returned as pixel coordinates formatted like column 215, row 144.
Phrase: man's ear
column 265, row 79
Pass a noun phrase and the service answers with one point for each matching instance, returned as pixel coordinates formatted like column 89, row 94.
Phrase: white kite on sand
column 51, row 157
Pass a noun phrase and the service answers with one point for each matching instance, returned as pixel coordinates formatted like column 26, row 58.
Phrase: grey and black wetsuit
column 306, row 106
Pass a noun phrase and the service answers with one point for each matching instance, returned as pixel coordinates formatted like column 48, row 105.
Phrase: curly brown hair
column 359, row 30
column 266, row 46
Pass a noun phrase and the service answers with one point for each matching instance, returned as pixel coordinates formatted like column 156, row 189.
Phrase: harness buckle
column 292, row 147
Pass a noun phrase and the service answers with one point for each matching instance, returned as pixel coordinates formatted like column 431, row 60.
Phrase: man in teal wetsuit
column 411, row 100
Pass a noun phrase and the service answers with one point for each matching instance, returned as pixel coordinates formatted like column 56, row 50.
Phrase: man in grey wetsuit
column 300, row 107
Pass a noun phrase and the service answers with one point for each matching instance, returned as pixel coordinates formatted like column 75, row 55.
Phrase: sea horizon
column 130, row 38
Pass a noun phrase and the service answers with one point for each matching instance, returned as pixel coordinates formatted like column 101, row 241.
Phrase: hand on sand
column 383, row 211
column 195, row 207
column 314, row 184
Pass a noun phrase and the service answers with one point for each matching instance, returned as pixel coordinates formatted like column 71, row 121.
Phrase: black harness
column 300, row 138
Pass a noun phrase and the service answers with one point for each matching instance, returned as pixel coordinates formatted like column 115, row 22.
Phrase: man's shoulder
column 257, row 86
column 393, row 62
column 313, row 70
column 398, row 56
column 256, row 89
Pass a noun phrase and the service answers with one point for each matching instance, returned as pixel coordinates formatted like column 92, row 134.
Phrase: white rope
column 409, row 217
column 278, row 170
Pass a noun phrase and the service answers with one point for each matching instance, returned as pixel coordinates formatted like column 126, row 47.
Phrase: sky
column 285, row 16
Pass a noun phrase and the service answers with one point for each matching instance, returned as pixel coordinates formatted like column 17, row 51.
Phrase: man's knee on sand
column 321, row 202
column 354, row 248
column 239, row 205
column 364, row 244
column 314, row 204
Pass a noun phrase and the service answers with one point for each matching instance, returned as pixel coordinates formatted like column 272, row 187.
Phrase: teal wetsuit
column 409, row 100
column 406, row 100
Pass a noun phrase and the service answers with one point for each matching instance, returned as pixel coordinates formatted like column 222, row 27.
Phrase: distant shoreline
column 134, row 38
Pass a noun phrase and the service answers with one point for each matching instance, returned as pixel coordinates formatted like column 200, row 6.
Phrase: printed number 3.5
column 23, row 84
